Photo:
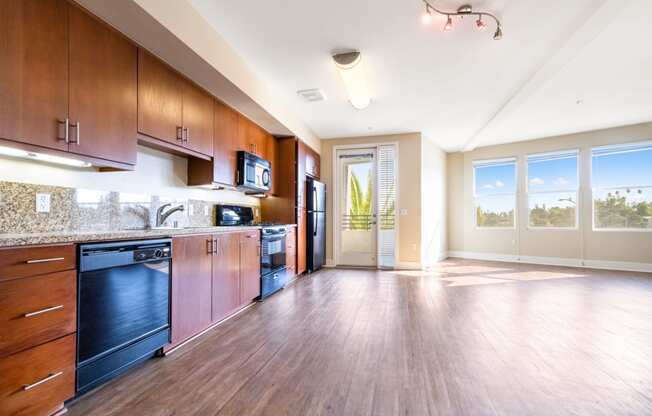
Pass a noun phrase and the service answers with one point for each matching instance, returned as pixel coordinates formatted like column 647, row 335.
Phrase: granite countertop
column 24, row 239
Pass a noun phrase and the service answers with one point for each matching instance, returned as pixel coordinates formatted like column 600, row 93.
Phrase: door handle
column 77, row 134
column 50, row 309
column 314, row 224
column 66, row 130
column 36, row 261
column 51, row 376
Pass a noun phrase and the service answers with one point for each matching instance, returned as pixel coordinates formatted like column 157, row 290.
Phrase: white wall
column 156, row 173
column 433, row 204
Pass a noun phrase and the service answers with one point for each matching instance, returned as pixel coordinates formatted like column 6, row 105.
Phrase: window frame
column 642, row 143
column 505, row 160
column 578, row 154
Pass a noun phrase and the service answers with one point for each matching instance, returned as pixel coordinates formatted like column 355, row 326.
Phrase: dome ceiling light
column 349, row 65
column 465, row 10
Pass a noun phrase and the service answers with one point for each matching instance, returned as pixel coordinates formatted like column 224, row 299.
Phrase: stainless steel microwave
column 254, row 173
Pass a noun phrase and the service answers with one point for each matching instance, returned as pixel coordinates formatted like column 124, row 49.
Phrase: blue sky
column 623, row 169
column 609, row 171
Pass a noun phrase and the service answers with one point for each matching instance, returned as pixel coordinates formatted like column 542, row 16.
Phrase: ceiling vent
column 312, row 95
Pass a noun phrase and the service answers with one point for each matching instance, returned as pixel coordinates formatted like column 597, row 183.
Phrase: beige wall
column 409, row 192
column 433, row 204
column 582, row 244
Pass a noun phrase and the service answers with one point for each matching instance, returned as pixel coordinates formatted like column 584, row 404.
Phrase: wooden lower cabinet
column 213, row 276
column 291, row 252
column 37, row 381
column 37, row 309
column 249, row 266
column 192, row 265
column 226, row 275
column 301, row 239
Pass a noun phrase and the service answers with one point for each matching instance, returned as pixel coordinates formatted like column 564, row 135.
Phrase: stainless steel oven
column 254, row 173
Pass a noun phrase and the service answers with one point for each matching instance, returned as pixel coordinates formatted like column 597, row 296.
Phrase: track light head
column 480, row 24
column 426, row 18
column 499, row 33
column 449, row 24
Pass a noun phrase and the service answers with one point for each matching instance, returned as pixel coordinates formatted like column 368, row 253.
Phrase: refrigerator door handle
column 315, row 202
column 315, row 227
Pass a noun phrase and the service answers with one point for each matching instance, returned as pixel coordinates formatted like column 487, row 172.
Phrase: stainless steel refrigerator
column 316, row 227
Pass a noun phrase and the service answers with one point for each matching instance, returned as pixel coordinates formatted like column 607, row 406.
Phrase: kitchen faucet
column 161, row 217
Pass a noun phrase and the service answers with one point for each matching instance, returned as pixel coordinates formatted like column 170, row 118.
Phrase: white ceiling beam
column 570, row 44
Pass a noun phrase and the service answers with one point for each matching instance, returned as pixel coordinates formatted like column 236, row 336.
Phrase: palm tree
column 360, row 209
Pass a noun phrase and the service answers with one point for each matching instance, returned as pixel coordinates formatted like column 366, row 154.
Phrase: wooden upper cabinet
column 226, row 275
column 249, row 266
column 103, row 90
column 197, row 119
column 160, row 99
column 34, row 71
column 225, row 144
column 191, row 285
column 301, row 173
column 312, row 162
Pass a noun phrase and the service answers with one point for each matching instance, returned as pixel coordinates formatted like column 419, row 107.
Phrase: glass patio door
column 357, row 202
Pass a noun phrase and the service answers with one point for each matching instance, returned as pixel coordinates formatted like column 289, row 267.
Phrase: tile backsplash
column 75, row 209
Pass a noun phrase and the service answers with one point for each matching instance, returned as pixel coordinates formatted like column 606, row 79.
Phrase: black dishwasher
column 124, row 307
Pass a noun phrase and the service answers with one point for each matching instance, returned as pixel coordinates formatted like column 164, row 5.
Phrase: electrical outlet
column 414, row 247
column 404, row 211
column 42, row 202
column 206, row 210
column 191, row 209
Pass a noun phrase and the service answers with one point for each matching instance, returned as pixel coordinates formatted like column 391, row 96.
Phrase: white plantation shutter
column 387, row 183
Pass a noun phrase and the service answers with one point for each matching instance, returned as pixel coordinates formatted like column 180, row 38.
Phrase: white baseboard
column 408, row 265
column 555, row 261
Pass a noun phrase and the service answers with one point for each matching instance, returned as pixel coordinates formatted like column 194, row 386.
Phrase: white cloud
column 488, row 186
column 561, row 181
column 537, row 181
column 499, row 184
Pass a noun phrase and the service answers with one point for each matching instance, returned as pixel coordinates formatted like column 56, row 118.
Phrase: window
column 622, row 187
column 495, row 193
column 552, row 186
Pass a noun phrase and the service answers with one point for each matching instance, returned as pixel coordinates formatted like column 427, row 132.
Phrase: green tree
column 615, row 212
column 360, row 209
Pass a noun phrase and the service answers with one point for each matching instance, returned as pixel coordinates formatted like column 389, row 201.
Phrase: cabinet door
column 160, row 99
column 226, row 275
column 225, row 144
column 301, row 240
column 249, row 266
column 34, row 71
column 301, row 174
column 197, row 119
column 191, row 285
column 103, row 97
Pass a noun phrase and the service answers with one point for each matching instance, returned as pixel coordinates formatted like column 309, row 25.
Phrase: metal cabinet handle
column 180, row 133
column 187, row 138
column 51, row 376
column 50, row 309
column 215, row 246
column 36, row 261
column 76, row 126
column 209, row 246
column 66, row 131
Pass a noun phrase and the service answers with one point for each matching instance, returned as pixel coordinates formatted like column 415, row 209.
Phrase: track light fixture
column 465, row 10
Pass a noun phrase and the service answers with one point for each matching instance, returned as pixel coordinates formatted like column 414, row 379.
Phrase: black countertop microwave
column 254, row 173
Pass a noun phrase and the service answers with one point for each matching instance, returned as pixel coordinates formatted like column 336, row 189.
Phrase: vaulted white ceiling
column 460, row 89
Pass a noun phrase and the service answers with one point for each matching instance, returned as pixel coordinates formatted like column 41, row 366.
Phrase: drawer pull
column 45, row 380
column 45, row 260
column 53, row 308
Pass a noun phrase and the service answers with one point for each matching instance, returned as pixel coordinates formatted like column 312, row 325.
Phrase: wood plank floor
column 470, row 338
